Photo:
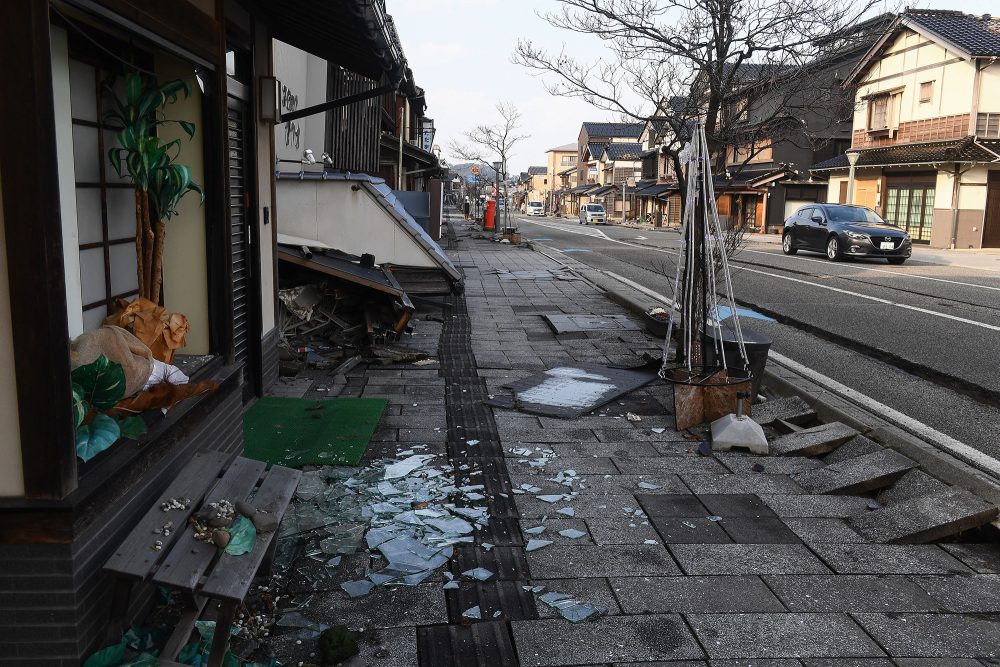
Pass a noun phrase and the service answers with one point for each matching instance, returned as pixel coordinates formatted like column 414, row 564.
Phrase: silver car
column 593, row 213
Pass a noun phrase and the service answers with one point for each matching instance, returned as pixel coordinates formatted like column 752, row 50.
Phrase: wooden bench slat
column 232, row 575
column 188, row 560
column 135, row 556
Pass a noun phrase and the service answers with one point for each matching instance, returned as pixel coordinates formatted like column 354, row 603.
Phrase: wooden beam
column 33, row 231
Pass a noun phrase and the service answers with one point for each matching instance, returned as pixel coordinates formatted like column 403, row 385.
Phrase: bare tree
column 745, row 68
column 497, row 140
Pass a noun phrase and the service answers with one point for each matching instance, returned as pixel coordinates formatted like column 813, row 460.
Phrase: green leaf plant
column 149, row 163
column 97, row 387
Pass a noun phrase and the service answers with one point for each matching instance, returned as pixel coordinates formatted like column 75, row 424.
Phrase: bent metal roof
column 967, row 149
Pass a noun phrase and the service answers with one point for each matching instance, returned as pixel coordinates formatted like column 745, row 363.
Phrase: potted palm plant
column 150, row 163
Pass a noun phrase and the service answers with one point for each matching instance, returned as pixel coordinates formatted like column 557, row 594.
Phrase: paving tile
column 585, row 505
column 677, row 448
column 730, row 505
column 606, row 484
column 848, row 662
column 654, row 595
column 977, row 593
column 758, row 530
column 888, row 559
column 935, row 635
column 740, row 483
column 792, row 409
column 745, row 559
column 689, row 530
column 551, row 642
column 570, row 561
column 982, row 558
column 913, row 484
column 672, row 505
column 851, row 593
column 677, row 465
column 423, row 604
column 925, row 518
column 583, row 465
column 591, row 590
column 621, row 531
column 553, row 525
column 618, row 450
column 814, row 441
column 857, row 475
column 823, row 530
column 782, row 636
column 804, row 505
column 744, row 463
column 942, row 662
column 859, row 445
column 386, row 647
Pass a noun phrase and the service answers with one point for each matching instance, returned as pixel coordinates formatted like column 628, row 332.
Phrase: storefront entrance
column 910, row 204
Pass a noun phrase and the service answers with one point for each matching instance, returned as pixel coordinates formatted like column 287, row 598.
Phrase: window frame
column 929, row 86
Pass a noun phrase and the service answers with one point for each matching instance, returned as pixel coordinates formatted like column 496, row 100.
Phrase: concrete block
column 786, row 635
column 859, row 445
column 856, row 475
column 975, row 594
column 851, row 593
column 806, row 505
column 657, row 595
column 913, row 484
column 935, row 635
column 823, row 530
column 981, row 558
column 813, row 441
column 888, row 559
column 925, row 518
column 791, row 409
column 740, row 484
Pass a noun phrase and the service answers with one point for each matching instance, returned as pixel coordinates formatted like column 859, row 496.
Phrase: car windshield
column 535, row 204
column 852, row 214
column 595, row 208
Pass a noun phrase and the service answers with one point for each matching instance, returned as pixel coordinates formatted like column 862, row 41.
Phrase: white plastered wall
column 265, row 172
column 11, row 476
column 332, row 213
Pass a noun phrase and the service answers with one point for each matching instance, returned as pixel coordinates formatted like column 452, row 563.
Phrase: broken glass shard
column 406, row 466
column 534, row 545
column 478, row 573
column 649, row 486
column 537, row 530
column 566, row 511
column 356, row 589
column 550, row 498
column 472, row 612
column 572, row 533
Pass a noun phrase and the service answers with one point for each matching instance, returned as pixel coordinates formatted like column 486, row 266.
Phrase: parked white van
column 593, row 213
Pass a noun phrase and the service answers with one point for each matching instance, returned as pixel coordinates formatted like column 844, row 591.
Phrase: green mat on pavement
column 295, row 432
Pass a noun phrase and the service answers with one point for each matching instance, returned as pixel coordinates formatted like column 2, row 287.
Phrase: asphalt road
column 922, row 338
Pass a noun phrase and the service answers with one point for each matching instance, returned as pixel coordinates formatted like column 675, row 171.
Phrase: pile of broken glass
column 408, row 510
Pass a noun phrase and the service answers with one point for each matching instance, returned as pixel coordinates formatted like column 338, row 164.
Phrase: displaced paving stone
column 859, row 445
column 925, row 518
column 889, row 559
column 935, row 635
column 821, row 530
column 982, row 558
column 689, row 530
column 857, row 475
column 621, row 531
column 744, row 463
column 792, row 409
column 745, row 559
column 601, row 561
column 655, row 595
column 814, row 505
column 913, row 484
column 551, row 642
column 851, row 593
column 978, row 593
column 740, row 484
column 758, row 530
column 782, row 636
column 814, row 441
column 591, row 590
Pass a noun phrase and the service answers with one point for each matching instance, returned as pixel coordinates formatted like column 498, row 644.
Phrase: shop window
column 105, row 202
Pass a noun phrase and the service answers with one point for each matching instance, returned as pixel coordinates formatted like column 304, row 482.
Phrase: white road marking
column 927, row 433
column 585, row 231
column 869, row 268
column 887, row 302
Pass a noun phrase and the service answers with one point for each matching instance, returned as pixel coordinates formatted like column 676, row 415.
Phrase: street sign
column 475, row 171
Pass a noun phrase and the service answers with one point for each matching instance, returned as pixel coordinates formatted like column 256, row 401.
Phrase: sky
column 460, row 53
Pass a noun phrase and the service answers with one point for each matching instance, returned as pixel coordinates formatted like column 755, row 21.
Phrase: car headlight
column 857, row 236
column 906, row 237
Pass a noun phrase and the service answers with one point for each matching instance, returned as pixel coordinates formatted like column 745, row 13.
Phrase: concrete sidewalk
column 728, row 559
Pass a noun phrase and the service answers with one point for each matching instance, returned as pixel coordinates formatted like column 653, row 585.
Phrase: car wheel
column 786, row 244
column 833, row 249
column 896, row 260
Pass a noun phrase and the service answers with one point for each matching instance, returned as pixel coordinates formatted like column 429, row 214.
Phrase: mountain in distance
column 464, row 170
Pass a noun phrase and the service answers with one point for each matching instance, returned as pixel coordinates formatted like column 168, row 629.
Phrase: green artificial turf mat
column 296, row 432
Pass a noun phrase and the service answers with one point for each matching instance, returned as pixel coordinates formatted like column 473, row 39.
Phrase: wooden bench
column 199, row 571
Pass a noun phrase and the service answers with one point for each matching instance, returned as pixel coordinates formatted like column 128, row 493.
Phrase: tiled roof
column 596, row 150
column 565, row 148
column 613, row 130
column 976, row 35
column 601, row 190
column 567, row 171
column 958, row 150
column 537, row 171
column 623, row 151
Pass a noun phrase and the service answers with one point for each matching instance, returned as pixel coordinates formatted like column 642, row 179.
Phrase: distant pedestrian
column 468, row 208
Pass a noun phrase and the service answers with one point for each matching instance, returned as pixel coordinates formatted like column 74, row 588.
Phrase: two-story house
column 925, row 149
column 538, row 183
column 592, row 141
column 558, row 160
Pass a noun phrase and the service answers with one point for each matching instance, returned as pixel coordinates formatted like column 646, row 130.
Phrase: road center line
column 887, row 302
column 868, row 268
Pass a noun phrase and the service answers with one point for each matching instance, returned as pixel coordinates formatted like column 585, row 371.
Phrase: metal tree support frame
column 696, row 288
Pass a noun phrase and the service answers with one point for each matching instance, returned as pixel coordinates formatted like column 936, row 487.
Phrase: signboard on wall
column 427, row 140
